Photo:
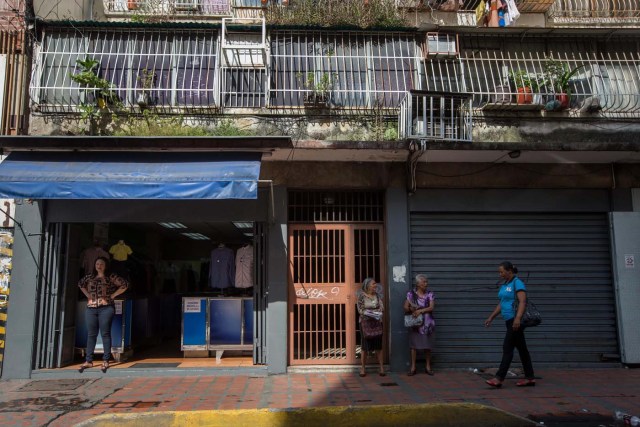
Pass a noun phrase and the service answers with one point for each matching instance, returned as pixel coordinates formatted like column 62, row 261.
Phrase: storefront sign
column 192, row 305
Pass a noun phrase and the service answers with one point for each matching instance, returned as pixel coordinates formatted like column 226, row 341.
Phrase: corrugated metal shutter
column 565, row 260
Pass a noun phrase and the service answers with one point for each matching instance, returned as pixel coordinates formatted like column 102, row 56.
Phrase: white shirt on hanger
column 244, row 267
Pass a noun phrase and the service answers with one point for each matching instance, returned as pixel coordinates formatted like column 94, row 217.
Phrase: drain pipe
column 416, row 150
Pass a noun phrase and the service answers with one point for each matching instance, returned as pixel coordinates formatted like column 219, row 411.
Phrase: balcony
column 435, row 116
column 593, row 12
column 465, row 13
column 167, row 8
column 583, row 83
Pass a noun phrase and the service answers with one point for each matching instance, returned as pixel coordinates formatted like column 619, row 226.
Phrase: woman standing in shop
column 511, row 289
column 371, row 310
column 100, row 288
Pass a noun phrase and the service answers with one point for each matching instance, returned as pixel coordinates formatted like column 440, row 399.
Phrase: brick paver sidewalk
column 560, row 394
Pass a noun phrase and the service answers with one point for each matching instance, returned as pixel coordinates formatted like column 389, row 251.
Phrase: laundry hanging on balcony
column 497, row 13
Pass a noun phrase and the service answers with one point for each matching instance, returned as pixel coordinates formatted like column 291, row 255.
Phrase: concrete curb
column 424, row 415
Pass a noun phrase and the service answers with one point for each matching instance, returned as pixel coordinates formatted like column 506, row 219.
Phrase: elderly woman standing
column 371, row 309
column 421, row 302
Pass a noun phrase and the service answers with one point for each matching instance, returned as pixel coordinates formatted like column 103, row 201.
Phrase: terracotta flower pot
column 524, row 95
column 133, row 4
column 563, row 98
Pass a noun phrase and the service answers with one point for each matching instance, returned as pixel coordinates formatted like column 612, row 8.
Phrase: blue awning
column 129, row 175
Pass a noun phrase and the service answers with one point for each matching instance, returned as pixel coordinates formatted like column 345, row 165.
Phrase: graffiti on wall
column 6, row 253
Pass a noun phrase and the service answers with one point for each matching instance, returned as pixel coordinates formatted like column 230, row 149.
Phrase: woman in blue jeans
column 511, row 289
column 100, row 288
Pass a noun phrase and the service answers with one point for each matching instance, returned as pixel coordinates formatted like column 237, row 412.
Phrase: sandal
column 494, row 383
column 363, row 373
column 84, row 366
column 382, row 374
column 105, row 366
column 411, row 373
column 428, row 372
column 529, row 382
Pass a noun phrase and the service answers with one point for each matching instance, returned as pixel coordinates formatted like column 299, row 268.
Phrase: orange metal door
column 326, row 262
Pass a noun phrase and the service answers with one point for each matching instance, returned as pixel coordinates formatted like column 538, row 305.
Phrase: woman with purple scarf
column 419, row 302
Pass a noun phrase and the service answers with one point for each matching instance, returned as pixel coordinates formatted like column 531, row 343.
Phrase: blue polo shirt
column 507, row 295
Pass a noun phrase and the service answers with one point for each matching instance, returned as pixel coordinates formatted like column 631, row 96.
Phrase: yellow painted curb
column 424, row 415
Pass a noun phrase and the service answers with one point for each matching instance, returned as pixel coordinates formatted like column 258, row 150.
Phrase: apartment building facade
column 441, row 146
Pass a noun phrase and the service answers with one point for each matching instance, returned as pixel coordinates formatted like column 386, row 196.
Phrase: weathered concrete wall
column 374, row 175
column 509, row 127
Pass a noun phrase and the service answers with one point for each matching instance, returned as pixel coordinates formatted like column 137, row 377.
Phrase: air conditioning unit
column 439, row 45
column 186, row 4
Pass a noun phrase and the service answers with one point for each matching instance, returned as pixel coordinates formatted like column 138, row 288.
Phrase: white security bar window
column 605, row 82
column 168, row 7
column 169, row 71
column 615, row 11
column 244, row 87
column 343, row 70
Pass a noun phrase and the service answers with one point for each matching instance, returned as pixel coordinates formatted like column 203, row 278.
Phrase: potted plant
column 522, row 83
column 133, row 4
column 145, row 78
column 317, row 90
column 559, row 75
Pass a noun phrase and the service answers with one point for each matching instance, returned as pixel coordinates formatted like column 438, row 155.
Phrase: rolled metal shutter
column 564, row 260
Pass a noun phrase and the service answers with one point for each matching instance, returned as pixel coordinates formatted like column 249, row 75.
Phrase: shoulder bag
column 411, row 321
column 531, row 316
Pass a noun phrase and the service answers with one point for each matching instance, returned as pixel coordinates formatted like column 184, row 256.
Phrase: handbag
column 411, row 321
column 531, row 316
column 371, row 328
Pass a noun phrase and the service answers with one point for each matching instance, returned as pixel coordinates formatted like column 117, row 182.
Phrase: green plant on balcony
column 525, row 85
column 317, row 89
column 559, row 75
column 337, row 13
column 99, row 101
column 146, row 79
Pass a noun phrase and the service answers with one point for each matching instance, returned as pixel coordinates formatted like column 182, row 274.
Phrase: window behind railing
column 175, row 70
column 354, row 70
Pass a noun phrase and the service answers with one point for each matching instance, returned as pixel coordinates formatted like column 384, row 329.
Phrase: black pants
column 514, row 339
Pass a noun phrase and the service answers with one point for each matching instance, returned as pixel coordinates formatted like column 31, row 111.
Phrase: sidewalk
column 585, row 397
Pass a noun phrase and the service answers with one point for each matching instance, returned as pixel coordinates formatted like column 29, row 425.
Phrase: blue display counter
column 217, row 324
column 230, row 323
column 194, row 324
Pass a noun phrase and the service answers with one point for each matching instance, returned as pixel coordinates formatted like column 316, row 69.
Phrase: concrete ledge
column 425, row 415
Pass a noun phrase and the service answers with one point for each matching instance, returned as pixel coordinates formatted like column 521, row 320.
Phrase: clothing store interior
column 190, row 297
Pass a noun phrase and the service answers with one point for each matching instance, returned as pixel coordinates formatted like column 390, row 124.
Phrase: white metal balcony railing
column 524, row 6
column 11, row 6
column 609, row 83
column 170, row 72
column 169, row 7
column 347, row 72
column 586, row 10
column 435, row 116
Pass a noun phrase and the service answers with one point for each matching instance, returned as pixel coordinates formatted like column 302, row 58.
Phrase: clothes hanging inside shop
column 244, row 267
column 222, row 270
column 90, row 255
